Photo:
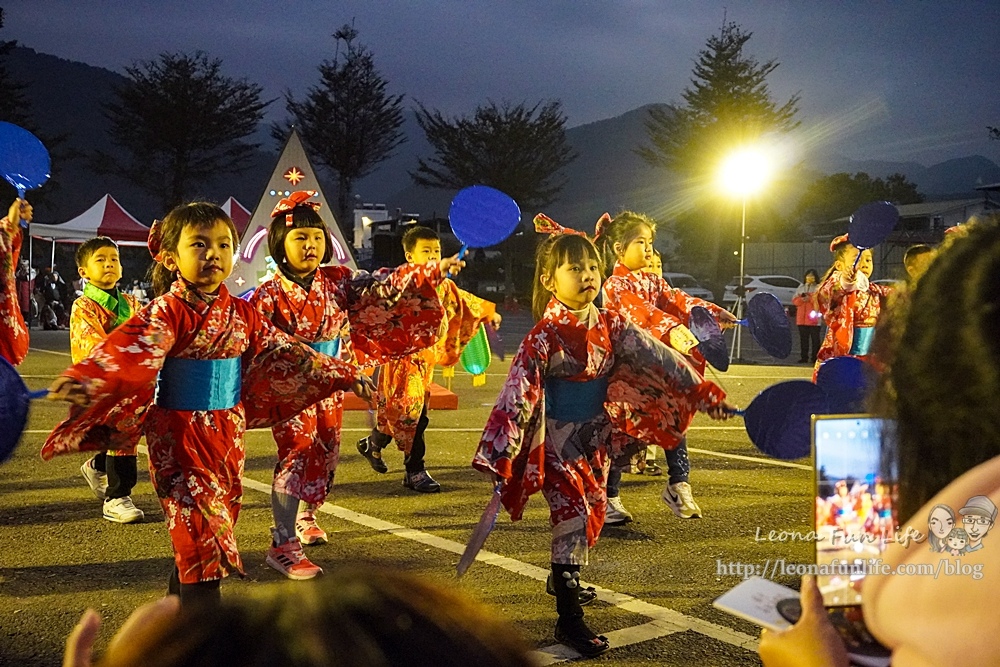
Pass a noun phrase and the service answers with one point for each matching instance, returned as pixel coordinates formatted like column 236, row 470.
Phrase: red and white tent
column 239, row 214
column 105, row 218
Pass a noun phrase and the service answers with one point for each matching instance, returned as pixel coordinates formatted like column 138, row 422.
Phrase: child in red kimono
column 111, row 475
column 14, row 341
column 217, row 367
column 404, row 384
column 549, row 430
column 850, row 303
column 649, row 302
column 391, row 313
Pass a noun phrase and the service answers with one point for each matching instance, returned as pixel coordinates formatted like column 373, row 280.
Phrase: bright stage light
column 745, row 171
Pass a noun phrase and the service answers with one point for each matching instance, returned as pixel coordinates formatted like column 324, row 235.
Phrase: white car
column 783, row 287
column 686, row 283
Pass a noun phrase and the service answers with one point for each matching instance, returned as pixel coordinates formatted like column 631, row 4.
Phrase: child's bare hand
column 452, row 265
column 364, row 388
column 496, row 320
column 727, row 320
column 68, row 389
column 722, row 411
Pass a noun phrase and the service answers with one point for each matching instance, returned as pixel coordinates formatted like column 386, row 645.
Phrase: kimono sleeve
column 85, row 328
column 465, row 312
column 511, row 444
column 682, row 302
column 392, row 312
column 14, row 341
column 282, row 376
column 620, row 298
column 119, row 377
column 654, row 392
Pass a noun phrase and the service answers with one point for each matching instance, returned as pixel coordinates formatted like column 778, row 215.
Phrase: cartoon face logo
column 940, row 523
column 978, row 517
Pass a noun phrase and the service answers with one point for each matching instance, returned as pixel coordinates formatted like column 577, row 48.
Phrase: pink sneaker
column 306, row 529
column 289, row 560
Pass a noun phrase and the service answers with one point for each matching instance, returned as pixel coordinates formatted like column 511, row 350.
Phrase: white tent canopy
column 105, row 218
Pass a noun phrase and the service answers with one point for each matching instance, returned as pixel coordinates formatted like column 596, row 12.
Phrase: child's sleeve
column 392, row 312
column 516, row 420
column 465, row 312
column 654, row 393
column 619, row 298
column 682, row 302
column 85, row 328
column 282, row 376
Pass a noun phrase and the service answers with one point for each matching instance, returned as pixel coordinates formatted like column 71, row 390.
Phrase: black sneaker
column 574, row 633
column 584, row 596
column 421, row 481
column 373, row 454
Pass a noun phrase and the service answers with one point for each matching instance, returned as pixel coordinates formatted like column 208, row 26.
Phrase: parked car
column 687, row 283
column 782, row 287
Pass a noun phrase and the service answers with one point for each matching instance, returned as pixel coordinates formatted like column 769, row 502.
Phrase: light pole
column 743, row 173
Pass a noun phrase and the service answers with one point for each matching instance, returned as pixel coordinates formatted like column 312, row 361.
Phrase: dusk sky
column 902, row 80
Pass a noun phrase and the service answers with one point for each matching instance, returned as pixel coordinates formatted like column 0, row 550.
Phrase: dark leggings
column 413, row 463
column 203, row 592
column 808, row 342
column 122, row 472
column 678, row 469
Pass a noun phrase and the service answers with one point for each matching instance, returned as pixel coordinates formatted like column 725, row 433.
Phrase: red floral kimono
column 89, row 324
column 403, row 383
column 568, row 460
column 391, row 313
column 13, row 331
column 649, row 302
column 845, row 309
column 195, row 456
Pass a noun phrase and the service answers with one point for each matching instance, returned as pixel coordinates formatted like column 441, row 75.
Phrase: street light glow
column 745, row 171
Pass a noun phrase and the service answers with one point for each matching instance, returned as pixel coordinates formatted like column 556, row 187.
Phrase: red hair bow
column 601, row 226
column 837, row 241
column 155, row 240
column 288, row 204
column 546, row 225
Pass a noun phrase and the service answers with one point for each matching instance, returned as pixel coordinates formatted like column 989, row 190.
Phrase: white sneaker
column 96, row 480
column 121, row 510
column 616, row 514
column 680, row 501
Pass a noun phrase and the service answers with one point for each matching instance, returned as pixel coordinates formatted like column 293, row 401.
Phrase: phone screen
column 855, row 509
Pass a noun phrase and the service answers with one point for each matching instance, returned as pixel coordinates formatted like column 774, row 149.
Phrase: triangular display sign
column 293, row 172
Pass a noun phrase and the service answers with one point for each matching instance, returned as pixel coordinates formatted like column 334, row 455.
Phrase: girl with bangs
column 549, row 428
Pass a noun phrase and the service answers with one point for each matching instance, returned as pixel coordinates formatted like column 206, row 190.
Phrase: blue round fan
column 24, row 161
column 769, row 325
column 481, row 216
column 14, row 401
column 847, row 381
column 871, row 224
column 711, row 344
column 779, row 419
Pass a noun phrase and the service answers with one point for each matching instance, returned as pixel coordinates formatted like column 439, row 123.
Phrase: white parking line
column 664, row 621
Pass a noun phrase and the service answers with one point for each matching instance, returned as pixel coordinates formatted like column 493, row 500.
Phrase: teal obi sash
column 330, row 348
column 198, row 384
column 575, row 401
column 862, row 342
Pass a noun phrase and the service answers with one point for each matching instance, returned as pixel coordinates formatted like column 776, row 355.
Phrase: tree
column 181, row 123
column 14, row 105
column 348, row 123
column 517, row 149
column 728, row 104
column 838, row 195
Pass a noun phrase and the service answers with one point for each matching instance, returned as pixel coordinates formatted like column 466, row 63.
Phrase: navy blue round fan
column 871, row 224
column 847, row 381
column 779, row 419
column 712, row 345
column 14, row 401
column 769, row 325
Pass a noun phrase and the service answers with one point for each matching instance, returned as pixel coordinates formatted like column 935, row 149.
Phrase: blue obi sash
column 330, row 348
column 862, row 342
column 575, row 401
column 198, row 384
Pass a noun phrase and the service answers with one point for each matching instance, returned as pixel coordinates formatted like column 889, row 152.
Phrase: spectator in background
column 25, row 278
column 807, row 317
column 138, row 292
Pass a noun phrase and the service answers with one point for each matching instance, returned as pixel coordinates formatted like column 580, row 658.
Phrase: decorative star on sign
column 293, row 175
column 240, row 281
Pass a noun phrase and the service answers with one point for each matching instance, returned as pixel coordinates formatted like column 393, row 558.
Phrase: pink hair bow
column 601, row 226
column 155, row 240
column 843, row 238
column 546, row 225
column 288, row 204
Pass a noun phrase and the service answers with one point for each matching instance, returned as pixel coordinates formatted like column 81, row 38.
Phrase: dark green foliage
column 348, row 123
column 838, row 195
column 182, row 123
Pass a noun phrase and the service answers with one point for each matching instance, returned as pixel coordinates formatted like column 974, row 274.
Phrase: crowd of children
column 590, row 388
